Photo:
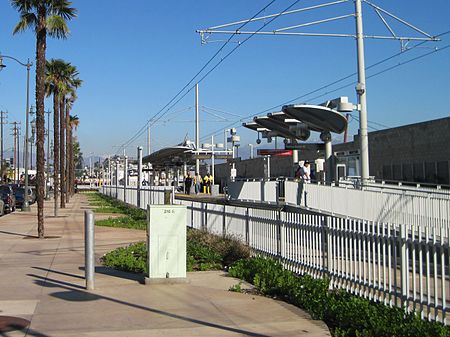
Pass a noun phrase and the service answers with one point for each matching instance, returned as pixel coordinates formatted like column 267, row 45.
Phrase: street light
column 28, row 65
column 33, row 132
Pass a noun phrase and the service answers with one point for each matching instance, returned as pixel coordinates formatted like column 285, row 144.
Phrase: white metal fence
column 396, row 264
column 141, row 197
column 409, row 206
column 401, row 265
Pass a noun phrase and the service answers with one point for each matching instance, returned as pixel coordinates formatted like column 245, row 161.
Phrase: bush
column 131, row 259
column 345, row 314
column 204, row 251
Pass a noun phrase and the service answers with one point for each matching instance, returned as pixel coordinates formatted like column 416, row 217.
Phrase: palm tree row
column 61, row 82
column 45, row 17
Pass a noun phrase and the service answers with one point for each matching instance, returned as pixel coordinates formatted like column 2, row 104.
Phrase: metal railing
column 398, row 265
column 411, row 206
column 141, row 197
column 405, row 265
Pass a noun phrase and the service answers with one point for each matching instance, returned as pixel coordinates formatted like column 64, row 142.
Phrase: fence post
column 279, row 234
column 139, row 182
column 247, row 226
column 89, row 256
column 117, row 179
column 224, row 223
column 403, row 266
column 326, row 244
column 125, row 178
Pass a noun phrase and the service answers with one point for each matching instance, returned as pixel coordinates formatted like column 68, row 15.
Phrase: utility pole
column 3, row 116
column 15, row 134
column 148, row 141
column 197, row 131
column 361, row 91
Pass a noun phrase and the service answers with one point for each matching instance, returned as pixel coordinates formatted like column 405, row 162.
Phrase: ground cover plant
column 133, row 218
column 204, row 252
column 346, row 315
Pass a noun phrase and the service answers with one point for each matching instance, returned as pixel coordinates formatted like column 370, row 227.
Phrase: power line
column 143, row 128
column 341, row 80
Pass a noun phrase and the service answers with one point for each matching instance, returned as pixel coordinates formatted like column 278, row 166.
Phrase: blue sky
column 135, row 56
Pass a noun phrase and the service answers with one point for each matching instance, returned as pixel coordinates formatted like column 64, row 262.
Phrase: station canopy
column 173, row 156
column 295, row 122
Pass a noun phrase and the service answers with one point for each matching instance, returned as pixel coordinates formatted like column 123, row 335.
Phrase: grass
column 133, row 218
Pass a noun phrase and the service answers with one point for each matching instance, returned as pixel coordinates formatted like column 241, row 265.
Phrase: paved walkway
column 42, row 281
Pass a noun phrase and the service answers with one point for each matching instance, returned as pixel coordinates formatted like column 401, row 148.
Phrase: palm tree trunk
column 56, row 149
column 72, row 164
column 67, row 153
column 62, row 156
column 41, row 42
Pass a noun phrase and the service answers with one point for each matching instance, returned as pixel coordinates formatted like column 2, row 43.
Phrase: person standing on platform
column 198, row 183
column 210, row 182
column 188, row 183
column 306, row 173
column 205, row 183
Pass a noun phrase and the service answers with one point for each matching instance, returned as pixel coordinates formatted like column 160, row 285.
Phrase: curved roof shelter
column 172, row 156
column 296, row 121
column 317, row 117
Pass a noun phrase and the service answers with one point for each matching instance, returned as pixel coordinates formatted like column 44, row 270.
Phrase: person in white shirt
column 306, row 172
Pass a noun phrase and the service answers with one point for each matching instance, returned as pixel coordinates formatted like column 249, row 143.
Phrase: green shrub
column 204, row 251
column 345, row 314
column 131, row 259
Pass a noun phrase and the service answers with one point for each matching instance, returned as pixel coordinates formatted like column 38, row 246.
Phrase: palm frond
column 22, row 6
column 57, row 27
column 62, row 9
column 27, row 20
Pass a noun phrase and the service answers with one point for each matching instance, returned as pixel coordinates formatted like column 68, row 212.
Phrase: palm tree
column 55, row 72
column 74, row 121
column 71, row 83
column 45, row 17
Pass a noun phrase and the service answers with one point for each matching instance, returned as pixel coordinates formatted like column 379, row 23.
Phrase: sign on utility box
column 166, row 242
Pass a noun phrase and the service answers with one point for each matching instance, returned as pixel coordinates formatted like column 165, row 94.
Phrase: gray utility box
column 166, row 242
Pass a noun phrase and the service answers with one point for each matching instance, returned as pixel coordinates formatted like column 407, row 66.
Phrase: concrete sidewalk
column 42, row 281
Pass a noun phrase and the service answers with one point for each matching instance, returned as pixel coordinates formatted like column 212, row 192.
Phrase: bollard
column 89, row 256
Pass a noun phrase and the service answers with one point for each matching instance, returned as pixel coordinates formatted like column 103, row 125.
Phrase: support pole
column 212, row 159
column 148, row 141
column 89, row 256
column 139, row 182
column 326, row 138
column 26, row 206
column 117, row 179
column 197, row 130
column 125, row 178
column 361, row 91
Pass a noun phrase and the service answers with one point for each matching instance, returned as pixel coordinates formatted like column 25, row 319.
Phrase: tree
column 54, row 73
column 73, row 83
column 45, row 17
column 74, row 121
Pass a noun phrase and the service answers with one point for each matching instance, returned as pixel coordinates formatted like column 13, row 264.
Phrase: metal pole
column 328, row 162
column 125, row 178
column 109, row 171
column 251, row 150
column 1, row 136
column 212, row 159
column 26, row 206
column 89, row 256
column 361, row 91
column 148, row 140
column 197, row 130
column 139, row 182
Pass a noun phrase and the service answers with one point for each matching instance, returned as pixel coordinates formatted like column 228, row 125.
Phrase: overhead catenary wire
column 161, row 111
column 341, row 80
